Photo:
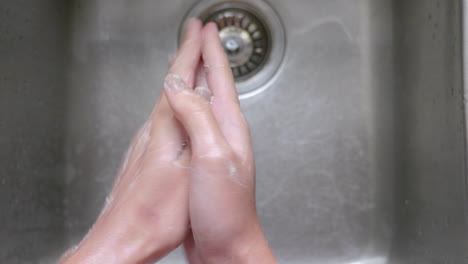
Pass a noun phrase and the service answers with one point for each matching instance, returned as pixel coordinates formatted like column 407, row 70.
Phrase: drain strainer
column 245, row 39
column 252, row 36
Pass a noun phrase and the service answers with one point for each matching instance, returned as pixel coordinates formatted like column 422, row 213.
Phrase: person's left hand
column 147, row 215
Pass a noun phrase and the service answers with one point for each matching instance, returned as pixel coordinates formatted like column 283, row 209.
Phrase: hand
column 147, row 215
column 225, row 227
column 191, row 161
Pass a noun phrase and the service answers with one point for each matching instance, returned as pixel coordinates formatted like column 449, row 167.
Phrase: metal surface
column 360, row 140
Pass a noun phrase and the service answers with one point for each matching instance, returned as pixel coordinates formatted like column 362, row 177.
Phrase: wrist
column 253, row 248
column 119, row 242
column 97, row 247
column 258, row 252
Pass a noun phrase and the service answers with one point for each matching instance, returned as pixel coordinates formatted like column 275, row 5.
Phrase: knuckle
column 217, row 155
column 158, row 156
column 190, row 102
column 210, row 68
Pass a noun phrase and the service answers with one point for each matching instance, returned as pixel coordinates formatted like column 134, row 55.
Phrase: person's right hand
column 223, row 218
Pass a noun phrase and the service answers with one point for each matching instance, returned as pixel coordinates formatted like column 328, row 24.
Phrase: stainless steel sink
column 359, row 140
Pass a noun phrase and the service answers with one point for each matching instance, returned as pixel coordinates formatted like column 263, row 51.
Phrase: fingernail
column 188, row 23
column 213, row 23
column 174, row 83
column 204, row 93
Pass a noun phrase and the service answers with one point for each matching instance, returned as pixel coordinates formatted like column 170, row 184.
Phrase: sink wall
column 360, row 142
column 430, row 123
column 33, row 84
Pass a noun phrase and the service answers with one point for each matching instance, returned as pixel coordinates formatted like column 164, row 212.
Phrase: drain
column 252, row 36
column 245, row 39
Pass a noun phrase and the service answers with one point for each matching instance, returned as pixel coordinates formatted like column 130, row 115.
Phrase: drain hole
column 245, row 38
column 253, row 38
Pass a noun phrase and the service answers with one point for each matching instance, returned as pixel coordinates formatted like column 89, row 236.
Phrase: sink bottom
column 359, row 141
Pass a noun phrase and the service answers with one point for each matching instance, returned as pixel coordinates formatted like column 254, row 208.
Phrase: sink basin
column 359, row 141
